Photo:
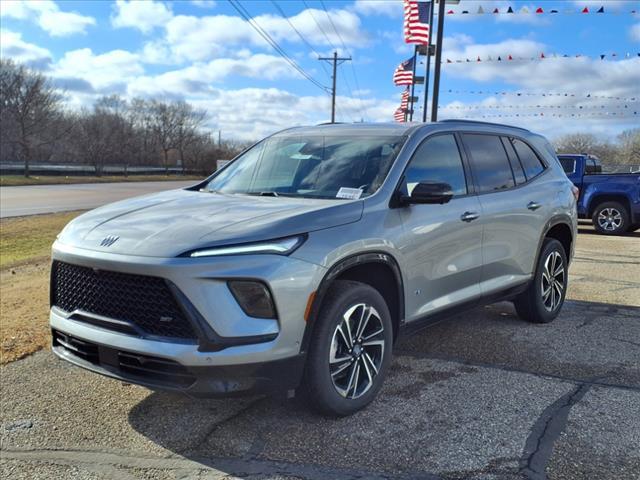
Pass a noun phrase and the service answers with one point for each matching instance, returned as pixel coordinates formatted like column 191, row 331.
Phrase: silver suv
column 300, row 262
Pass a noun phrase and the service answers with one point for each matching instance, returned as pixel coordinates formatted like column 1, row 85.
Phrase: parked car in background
column 611, row 201
column 300, row 262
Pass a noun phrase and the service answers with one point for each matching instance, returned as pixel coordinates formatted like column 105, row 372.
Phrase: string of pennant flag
column 544, row 94
column 542, row 10
column 569, row 107
column 562, row 115
column 542, row 56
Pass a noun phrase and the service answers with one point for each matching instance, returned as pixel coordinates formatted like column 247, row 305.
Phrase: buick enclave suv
column 298, row 264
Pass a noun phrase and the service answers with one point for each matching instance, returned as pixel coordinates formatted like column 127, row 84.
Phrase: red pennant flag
column 510, row 57
column 450, row 12
column 448, row 61
column 585, row 10
column 542, row 55
column 539, row 10
column 479, row 59
column 496, row 11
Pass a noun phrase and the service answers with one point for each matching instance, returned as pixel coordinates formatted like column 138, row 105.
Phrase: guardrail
column 88, row 170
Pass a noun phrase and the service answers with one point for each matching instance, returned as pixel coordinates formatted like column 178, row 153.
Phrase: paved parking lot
column 484, row 396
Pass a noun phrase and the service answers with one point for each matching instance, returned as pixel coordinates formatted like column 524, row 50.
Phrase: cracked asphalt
column 483, row 396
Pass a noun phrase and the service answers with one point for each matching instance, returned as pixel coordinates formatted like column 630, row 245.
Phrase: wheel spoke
column 355, row 382
column 340, row 369
column 345, row 339
column 364, row 320
column 368, row 358
column 373, row 343
column 373, row 335
column 366, row 369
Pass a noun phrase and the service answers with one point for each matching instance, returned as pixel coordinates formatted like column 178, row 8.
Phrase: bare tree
column 629, row 141
column 31, row 109
column 164, row 125
column 576, row 143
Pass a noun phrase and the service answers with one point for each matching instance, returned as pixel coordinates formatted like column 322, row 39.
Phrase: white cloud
column 48, row 16
column 192, row 38
column 389, row 8
column 107, row 72
column 141, row 15
column 204, row 3
column 12, row 46
column 197, row 79
column 634, row 32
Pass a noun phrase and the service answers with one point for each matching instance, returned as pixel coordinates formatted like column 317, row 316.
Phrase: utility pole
column 438, row 60
column 336, row 61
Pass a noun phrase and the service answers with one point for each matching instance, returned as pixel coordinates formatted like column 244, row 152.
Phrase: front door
column 441, row 244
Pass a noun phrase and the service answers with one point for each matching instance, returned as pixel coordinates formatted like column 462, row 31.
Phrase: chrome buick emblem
column 108, row 241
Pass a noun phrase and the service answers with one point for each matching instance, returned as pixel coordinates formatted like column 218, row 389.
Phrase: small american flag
column 416, row 21
column 404, row 99
column 403, row 75
column 398, row 116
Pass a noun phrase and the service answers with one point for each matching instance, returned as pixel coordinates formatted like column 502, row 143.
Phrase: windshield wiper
column 267, row 193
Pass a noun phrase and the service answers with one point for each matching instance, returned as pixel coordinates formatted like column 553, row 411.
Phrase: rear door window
column 490, row 163
column 530, row 161
column 437, row 159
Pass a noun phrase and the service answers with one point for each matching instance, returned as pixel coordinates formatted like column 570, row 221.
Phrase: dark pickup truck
column 611, row 201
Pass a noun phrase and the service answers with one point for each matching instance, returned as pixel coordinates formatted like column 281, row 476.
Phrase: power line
column 265, row 35
column 304, row 40
column 362, row 107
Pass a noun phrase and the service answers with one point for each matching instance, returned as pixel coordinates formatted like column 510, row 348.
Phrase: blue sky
column 204, row 52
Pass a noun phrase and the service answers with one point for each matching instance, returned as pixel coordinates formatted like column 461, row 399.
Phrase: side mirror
column 429, row 192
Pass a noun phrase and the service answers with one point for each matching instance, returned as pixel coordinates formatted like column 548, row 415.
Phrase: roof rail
column 478, row 122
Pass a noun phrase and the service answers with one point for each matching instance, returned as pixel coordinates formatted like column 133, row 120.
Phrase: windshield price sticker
column 350, row 193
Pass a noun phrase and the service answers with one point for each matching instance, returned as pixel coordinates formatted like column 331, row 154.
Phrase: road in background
column 37, row 199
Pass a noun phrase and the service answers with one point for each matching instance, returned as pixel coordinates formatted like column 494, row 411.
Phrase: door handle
column 533, row 206
column 469, row 216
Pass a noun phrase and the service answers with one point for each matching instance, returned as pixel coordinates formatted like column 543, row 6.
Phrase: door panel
column 442, row 255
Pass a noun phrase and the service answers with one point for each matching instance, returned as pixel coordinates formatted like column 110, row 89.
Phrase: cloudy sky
column 205, row 52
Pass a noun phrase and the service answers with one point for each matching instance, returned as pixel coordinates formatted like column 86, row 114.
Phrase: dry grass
column 25, row 244
column 18, row 180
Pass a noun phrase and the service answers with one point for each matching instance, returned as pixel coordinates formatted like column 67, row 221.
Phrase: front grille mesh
column 144, row 301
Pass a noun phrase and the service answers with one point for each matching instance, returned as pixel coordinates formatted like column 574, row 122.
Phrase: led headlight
column 282, row 246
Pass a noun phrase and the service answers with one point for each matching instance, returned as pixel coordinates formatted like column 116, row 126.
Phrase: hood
column 169, row 223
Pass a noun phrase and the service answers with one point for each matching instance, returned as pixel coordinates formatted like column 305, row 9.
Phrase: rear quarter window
column 531, row 164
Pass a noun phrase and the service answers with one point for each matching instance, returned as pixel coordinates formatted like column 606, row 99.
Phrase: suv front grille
column 145, row 302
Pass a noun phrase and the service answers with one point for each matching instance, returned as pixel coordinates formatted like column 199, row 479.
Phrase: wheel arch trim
column 342, row 266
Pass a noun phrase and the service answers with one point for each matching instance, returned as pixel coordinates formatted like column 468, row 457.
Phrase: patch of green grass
column 18, row 180
column 26, row 239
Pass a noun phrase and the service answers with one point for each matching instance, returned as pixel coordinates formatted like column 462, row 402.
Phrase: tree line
column 36, row 127
column 625, row 150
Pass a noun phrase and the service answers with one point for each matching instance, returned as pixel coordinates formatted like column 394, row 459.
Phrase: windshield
column 311, row 166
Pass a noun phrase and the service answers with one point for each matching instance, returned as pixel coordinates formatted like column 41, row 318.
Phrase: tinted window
column 568, row 164
column 437, row 160
column 530, row 161
column 490, row 162
column 518, row 172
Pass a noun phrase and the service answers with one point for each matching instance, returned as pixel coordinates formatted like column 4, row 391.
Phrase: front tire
column 610, row 218
column 350, row 351
column 543, row 299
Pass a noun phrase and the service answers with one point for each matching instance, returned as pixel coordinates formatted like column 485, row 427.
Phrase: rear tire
column 350, row 351
column 543, row 299
column 610, row 218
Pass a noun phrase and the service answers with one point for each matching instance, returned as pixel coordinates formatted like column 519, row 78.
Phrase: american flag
column 404, row 99
column 404, row 73
column 398, row 115
column 416, row 21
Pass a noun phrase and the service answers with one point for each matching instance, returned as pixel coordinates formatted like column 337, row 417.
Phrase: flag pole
column 428, row 62
column 413, row 81
column 438, row 61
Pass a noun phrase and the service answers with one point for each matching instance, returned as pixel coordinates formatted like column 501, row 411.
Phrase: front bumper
column 233, row 353
column 161, row 374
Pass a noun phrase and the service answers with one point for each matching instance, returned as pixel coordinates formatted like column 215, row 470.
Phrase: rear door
column 515, row 202
column 441, row 244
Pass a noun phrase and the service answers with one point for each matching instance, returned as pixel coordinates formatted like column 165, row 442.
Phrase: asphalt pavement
column 38, row 199
column 484, row 395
